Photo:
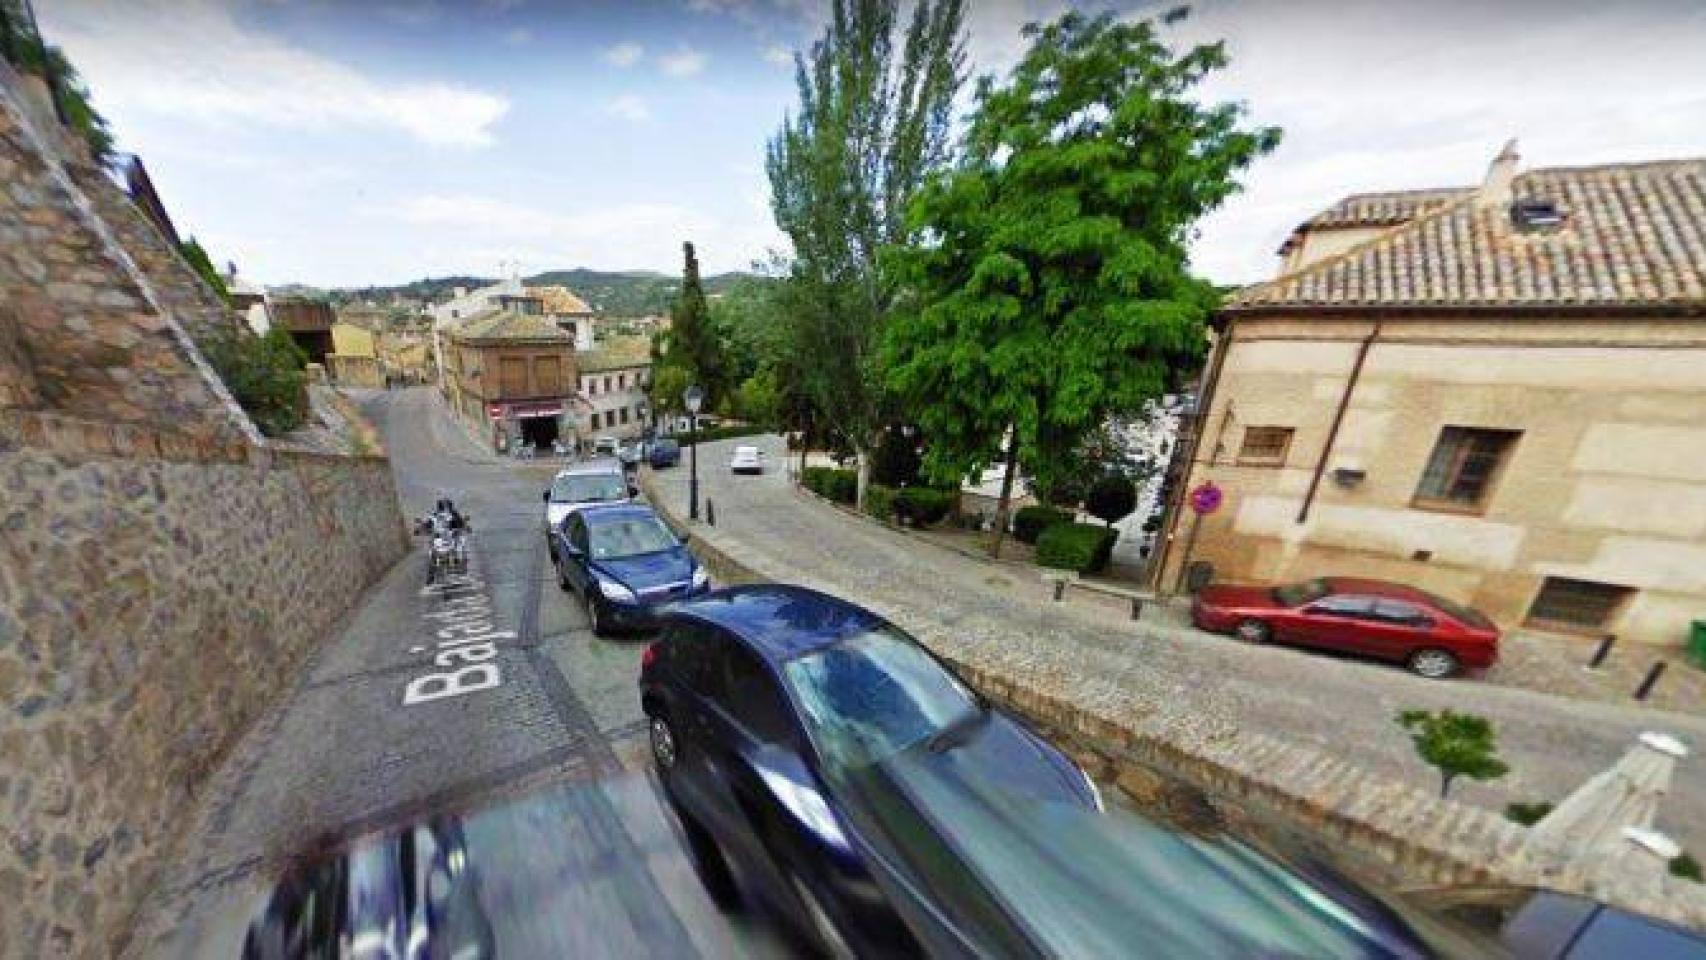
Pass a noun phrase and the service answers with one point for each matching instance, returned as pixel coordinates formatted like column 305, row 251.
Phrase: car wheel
column 664, row 750
column 594, row 615
column 1433, row 663
column 708, row 862
column 551, row 548
column 1254, row 631
column 821, row 925
column 562, row 580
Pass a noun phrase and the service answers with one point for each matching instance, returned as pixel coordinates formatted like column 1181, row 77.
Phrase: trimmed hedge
column 1030, row 522
column 1082, row 547
column 927, row 505
column 842, row 486
column 880, row 501
column 722, row 433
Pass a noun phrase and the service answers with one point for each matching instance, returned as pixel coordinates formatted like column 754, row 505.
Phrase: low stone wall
column 150, row 608
column 1186, row 766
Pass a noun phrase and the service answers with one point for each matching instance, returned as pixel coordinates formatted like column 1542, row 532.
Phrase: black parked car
column 754, row 694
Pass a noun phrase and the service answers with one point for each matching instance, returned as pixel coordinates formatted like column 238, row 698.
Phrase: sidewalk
column 1003, row 611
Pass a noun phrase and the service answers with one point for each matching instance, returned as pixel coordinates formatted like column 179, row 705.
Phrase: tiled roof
column 558, row 299
column 1386, row 209
column 615, row 353
column 501, row 324
column 1632, row 235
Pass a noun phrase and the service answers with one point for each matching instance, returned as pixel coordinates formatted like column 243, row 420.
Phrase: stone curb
column 1405, row 836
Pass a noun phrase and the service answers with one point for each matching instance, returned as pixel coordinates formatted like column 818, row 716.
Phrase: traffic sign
column 1206, row 498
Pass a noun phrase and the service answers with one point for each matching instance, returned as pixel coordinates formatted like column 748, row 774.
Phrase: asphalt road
column 1344, row 706
column 344, row 754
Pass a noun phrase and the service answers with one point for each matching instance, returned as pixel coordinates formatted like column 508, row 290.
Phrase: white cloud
column 625, row 54
column 467, row 231
column 191, row 60
column 684, row 62
column 518, row 36
column 629, row 106
column 776, row 53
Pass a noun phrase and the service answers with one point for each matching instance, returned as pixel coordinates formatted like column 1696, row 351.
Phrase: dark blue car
column 664, row 452
column 785, row 725
column 625, row 564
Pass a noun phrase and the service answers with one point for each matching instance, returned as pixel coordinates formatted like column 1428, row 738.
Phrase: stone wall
column 1185, row 765
column 148, row 611
column 163, row 569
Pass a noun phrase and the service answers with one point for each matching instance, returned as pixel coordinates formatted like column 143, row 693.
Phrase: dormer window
column 1536, row 214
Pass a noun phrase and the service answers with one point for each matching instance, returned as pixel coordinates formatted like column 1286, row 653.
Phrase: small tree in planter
column 1457, row 744
column 1111, row 498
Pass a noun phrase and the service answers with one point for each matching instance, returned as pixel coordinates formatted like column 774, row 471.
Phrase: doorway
column 539, row 432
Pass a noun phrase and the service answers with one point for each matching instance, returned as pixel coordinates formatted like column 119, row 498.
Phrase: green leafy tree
column 758, row 399
column 693, row 343
column 264, row 374
column 1110, row 498
column 669, row 382
column 1054, row 289
column 23, row 48
column 873, row 120
column 1456, row 744
column 202, row 264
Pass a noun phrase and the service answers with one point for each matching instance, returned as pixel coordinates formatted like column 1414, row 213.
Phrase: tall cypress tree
column 693, row 343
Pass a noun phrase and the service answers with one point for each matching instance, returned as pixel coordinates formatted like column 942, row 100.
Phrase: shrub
column 842, row 486
column 1685, row 866
column 264, row 375
column 880, row 501
column 1527, row 814
column 708, row 434
column 1111, row 498
column 1082, row 547
column 1030, row 522
column 927, row 505
column 895, row 460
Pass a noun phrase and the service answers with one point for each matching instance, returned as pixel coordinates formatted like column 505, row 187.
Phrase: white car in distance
column 747, row 460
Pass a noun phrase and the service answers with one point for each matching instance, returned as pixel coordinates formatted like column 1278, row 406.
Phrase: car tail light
column 649, row 656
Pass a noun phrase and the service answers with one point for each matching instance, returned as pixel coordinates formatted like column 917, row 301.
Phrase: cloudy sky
column 343, row 143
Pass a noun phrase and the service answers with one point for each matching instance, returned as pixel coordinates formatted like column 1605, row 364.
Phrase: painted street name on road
column 464, row 634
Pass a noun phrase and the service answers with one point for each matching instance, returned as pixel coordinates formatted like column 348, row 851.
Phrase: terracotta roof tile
column 504, row 324
column 616, row 353
column 1632, row 235
column 1384, row 209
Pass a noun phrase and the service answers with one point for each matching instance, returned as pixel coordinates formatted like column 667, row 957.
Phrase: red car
column 1432, row 635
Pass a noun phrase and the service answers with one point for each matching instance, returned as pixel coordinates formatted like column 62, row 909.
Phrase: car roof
column 780, row 621
column 1378, row 588
column 614, row 511
column 585, row 467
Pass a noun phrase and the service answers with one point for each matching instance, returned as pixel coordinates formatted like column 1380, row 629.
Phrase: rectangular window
column 595, row 421
column 621, row 381
column 1265, row 446
column 1565, row 604
column 606, row 384
column 1464, row 464
column 547, row 375
column 624, row 414
column 512, row 376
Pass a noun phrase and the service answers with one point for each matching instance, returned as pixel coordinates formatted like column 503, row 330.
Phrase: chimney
column 1496, row 189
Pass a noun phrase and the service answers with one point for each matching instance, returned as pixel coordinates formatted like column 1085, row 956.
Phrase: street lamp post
column 693, row 396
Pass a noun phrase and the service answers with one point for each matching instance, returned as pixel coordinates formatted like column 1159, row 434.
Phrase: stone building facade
column 510, row 374
column 615, row 376
column 161, row 564
column 1501, row 399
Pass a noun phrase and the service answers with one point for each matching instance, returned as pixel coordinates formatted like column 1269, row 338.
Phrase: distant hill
column 620, row 293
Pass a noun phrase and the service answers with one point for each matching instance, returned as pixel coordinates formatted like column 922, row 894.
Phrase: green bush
column 265, row 376
column 927, row 505
column 1111, row 498
column 708, row 434
column 1685, row 866
column 880, row 501
column 1075, row 546
column 1030, row 522
column 842, row 486
column 1527, row 814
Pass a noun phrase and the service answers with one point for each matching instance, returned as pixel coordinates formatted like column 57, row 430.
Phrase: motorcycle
column 447, row 547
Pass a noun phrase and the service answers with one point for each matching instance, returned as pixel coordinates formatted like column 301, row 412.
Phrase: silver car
column 582, row 485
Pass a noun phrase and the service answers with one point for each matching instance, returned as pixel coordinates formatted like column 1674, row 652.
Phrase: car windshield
column 1298, row 594
column 874, row 695
column 588, row 487
column 667, row 446
column 618, row 537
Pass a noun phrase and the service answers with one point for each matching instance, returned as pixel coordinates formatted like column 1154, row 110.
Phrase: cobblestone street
column 1340, row 705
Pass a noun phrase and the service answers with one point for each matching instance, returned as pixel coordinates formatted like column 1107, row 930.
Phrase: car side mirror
column 546, row 496
column 684, row 537
column 633, row 490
